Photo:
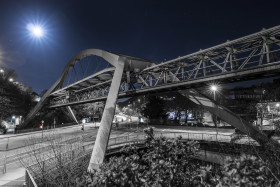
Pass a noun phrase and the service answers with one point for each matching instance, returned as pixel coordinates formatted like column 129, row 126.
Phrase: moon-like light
column 36, row 30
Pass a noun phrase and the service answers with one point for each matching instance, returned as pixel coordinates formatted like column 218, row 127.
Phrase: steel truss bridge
column 96, row 75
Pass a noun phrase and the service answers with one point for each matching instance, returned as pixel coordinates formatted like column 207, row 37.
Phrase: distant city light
column 35, row 30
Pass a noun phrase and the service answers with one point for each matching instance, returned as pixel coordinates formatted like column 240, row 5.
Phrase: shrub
column 247, row 170
column 170, row 163
column 56, row 161
column 165, row 163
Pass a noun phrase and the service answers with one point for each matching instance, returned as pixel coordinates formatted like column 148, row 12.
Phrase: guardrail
column 185, row 135
column 38, row 130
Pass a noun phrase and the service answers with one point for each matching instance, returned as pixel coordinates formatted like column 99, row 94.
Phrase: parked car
column 182, row 121
column 191, row 122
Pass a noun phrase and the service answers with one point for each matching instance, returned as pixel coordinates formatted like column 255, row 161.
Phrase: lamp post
column 277, row 106
column 13, row 119
column 214, row 88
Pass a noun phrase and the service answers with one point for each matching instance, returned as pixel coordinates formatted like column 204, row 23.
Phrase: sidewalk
column 13, row 177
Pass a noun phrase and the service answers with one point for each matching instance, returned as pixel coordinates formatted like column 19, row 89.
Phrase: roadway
column 20, row 142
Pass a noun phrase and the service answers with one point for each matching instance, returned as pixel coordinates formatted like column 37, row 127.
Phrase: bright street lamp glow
column 11, row 79
column 214, row 88
column 277, row 105
column 35, row 30
column 1, row 71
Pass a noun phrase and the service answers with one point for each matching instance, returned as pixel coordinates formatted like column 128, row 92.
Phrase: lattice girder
column 250, row 57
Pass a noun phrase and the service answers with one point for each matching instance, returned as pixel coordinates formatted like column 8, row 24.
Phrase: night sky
column 155, row 30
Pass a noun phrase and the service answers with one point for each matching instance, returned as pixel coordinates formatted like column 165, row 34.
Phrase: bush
column 164, row 163
column 55, row 161
column 247, row 170
column 170, row 163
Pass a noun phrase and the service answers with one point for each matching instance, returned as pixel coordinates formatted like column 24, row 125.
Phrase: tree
column 15, row 97
column 88, row 110
column 155, row 108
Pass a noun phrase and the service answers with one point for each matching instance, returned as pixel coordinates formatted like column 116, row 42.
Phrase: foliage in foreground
column 170, row 163
column 247, row 170
column 164, row 162
column 55, row 161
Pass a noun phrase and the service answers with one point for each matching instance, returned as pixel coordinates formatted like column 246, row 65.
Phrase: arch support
column 101, row 142
column 72, row 114
column 229, row 117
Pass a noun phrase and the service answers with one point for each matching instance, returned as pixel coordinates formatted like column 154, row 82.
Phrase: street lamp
column 277, row 105
column 214, row 88
column 1, row 71
column 13, row 119
column 11, row 79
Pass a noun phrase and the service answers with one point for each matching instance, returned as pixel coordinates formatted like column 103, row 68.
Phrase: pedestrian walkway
column 14, row 177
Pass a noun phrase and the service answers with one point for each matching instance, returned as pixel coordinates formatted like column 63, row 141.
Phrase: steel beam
column 72, row 114
column 229, row 117
column 103, row 135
